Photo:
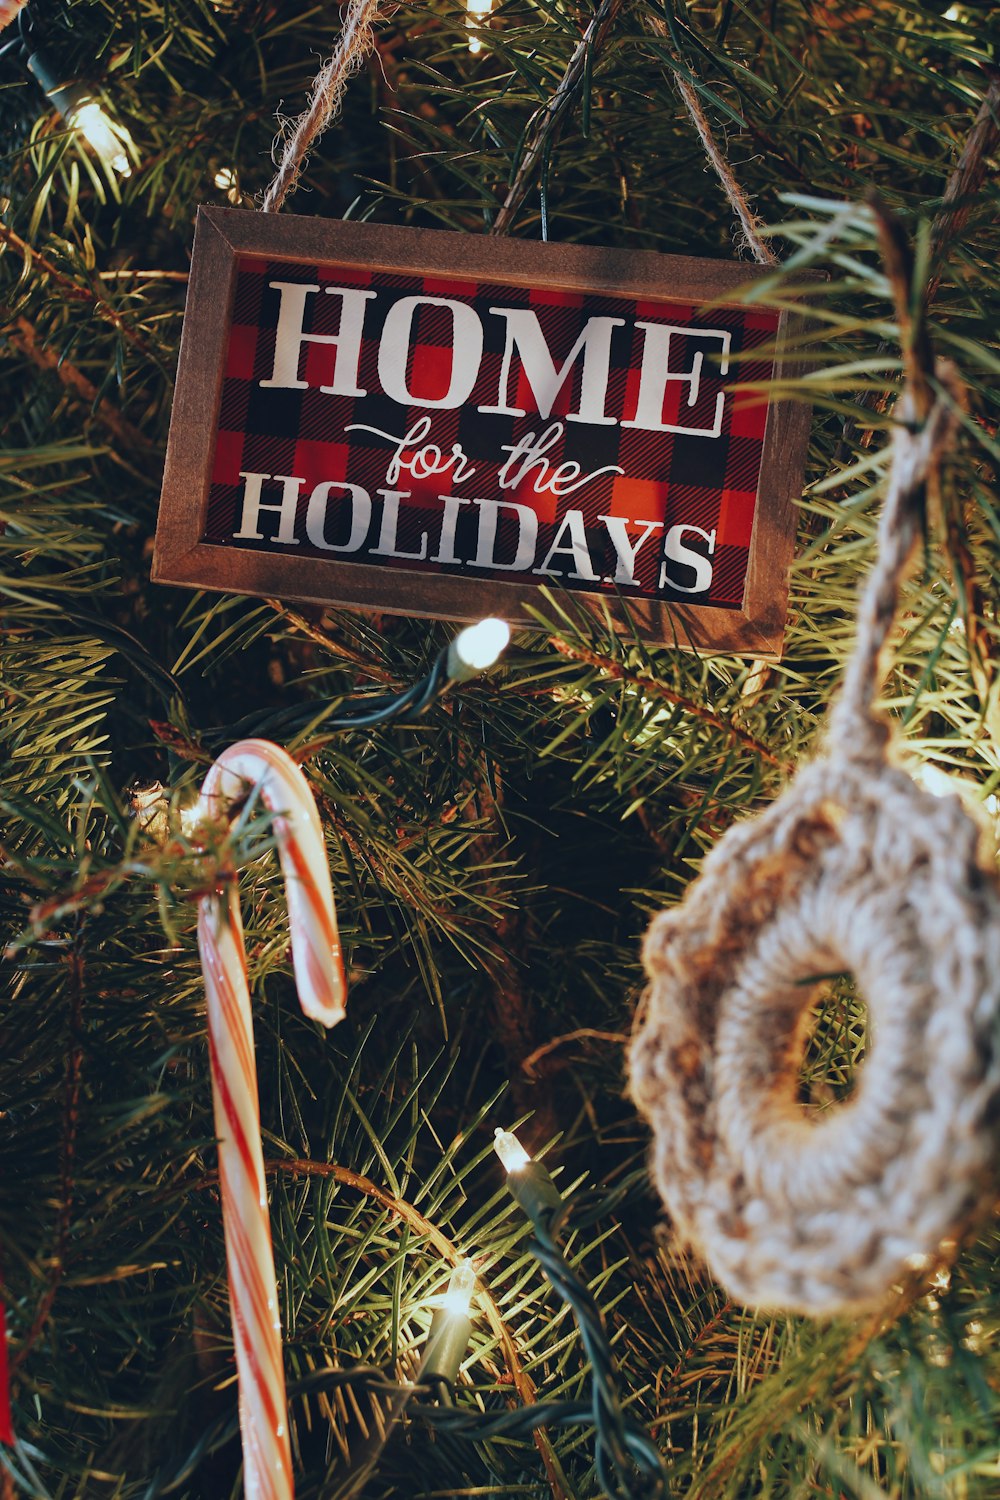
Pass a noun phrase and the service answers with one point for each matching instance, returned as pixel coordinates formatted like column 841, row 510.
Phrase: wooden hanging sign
column 438, row 424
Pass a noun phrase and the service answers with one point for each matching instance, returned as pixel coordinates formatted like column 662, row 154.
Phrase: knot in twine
column 855, row 867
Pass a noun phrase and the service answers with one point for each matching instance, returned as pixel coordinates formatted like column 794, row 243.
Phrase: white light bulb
column 225, row 178
column 192, row 818
column 510, row 1151
column 934, row 780
column 478, row 646
column 107, row 139
column 461, row 1286
column 476, row 10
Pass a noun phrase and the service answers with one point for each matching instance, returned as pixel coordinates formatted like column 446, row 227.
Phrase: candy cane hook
column 319, row 976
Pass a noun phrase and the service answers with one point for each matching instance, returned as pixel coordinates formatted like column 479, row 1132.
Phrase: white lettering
column 394, row 349
column 449, row 523
column 655, row 374
column 527, row 536
column 426, row 460
column 626, row 552
column 524, row 334
column 253, row 505
column 531, row 449
column 289, row 338
column 390, row 526
column 674, row 550
column 361, row 515
column 575, row 547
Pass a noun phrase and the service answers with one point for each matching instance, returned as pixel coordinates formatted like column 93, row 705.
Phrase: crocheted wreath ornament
column 856, row 868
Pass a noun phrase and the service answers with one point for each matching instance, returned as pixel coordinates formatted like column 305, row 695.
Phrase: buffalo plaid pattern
column 669, row 478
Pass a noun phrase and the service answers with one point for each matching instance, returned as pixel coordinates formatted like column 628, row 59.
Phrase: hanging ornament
column 255, row 766
column 856, row 868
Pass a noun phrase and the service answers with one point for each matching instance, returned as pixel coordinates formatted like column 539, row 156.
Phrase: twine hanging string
column 855, row 728
column 356, row 42
column 749, row 222
column 738, row 202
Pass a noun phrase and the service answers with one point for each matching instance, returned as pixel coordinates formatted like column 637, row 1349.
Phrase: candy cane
column 319, row 976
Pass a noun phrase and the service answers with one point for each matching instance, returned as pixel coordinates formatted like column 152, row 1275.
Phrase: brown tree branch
column 23, row 336
column 654, row 688
column 956, row 205
column 74, row 292
column 581, row 1034
column 335, row 648
column 521, row 1380
column 966, row 180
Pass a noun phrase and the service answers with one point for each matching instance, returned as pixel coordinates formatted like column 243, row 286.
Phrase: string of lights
column 473, row 650
column 78, row 101
column 627, row 1462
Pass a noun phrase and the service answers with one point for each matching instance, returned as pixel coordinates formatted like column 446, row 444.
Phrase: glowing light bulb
column 461, row 1286
column 107, row 139
column 528, row 1180
column 476, row 11
column 451, row 1327
column 510, row 1151
column 225, row 178
column 192, row 818
column 476, row 648
column 934, row 780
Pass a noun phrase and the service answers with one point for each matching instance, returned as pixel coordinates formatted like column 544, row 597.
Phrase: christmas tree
column 497, row 859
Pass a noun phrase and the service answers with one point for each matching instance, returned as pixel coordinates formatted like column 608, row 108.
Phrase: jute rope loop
column 855, row 868
column 355, row 43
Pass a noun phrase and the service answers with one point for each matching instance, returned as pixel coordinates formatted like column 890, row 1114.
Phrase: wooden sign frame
column 223, row 236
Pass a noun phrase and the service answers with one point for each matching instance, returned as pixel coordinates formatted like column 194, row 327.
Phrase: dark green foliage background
column 494, row 867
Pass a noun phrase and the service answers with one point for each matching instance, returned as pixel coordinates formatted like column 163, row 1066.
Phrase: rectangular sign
column 437, row 424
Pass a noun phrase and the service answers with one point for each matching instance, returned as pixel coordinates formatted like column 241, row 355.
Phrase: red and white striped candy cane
column 319, row 975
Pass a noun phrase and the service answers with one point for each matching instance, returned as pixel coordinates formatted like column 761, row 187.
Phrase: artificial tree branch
column 74, row 291
column 23, row 336
column 619, row 673
column 550, row 116
column 70, row 1126
column 521, row 1380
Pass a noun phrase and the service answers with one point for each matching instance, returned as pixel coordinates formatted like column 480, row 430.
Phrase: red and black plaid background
column 670, row 478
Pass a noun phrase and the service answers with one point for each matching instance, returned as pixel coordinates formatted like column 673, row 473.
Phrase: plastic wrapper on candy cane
column 257, row 766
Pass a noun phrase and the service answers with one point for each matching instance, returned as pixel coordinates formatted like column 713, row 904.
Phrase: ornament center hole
column 835, row 1040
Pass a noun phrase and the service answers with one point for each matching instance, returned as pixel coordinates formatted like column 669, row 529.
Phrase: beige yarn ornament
column 855, row 867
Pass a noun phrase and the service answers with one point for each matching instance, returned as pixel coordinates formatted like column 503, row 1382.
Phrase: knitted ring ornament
column 854, row 868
